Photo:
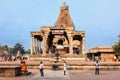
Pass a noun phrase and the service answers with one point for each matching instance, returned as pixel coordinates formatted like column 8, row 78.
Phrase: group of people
column 42, row 68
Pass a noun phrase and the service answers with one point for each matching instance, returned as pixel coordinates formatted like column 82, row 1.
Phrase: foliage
column 5, row 47
column 18, row 47
column 12, row 50
column 116, row 47
column 27, row 51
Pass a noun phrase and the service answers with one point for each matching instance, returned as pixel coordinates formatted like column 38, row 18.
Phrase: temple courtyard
column 54, row 45
column 111, row 71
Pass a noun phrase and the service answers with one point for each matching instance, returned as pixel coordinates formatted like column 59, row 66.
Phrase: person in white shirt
column 41, row 69
column 65, row 68
column 97, row 68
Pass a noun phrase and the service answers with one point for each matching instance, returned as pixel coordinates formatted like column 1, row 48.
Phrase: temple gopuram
column 61, row 37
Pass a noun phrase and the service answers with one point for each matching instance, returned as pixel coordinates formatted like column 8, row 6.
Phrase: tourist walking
column 97, row 68
column 41, row 69
column 65, row 68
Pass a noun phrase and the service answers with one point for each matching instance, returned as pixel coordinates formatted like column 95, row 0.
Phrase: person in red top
column 24, row 67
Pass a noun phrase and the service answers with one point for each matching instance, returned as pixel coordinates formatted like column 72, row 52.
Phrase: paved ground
column 71, row 75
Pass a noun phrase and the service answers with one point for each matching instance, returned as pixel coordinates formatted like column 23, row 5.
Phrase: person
column 115, row 58
column 41, row 69
column 97, row 68
column 65, row 67
column 24, row 67
column 97, row 58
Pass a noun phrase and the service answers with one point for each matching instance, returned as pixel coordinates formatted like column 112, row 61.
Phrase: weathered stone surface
column 9, row 71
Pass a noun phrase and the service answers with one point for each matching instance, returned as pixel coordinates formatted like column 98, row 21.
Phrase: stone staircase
column 60, row 58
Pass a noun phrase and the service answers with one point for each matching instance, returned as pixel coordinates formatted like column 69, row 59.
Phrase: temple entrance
column 60, row 42
column 57, row 39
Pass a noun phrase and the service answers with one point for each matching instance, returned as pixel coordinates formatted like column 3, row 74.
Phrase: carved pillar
column 38, row 46
column 44, row 50
column 83, row 45
column 31, row 45
column 70, row 44
column 44, row 43
column 35, row 45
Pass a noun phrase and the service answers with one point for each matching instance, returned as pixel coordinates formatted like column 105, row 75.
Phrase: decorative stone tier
column 62, row 57
column 9, row 71
column 72, row 65
column 79, row 66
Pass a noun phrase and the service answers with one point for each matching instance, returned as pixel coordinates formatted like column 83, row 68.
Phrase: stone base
column 9, row 71
column 61, row 58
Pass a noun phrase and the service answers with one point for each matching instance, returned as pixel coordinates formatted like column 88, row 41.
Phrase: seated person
column 24, row 67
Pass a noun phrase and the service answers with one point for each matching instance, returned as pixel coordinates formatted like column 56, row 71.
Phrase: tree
column 116, row 46
column 5, row 47
column 27, row 51
column 19, row 47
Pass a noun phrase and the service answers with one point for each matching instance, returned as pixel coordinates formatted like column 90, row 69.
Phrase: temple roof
column 64, row 18
column 101, row 49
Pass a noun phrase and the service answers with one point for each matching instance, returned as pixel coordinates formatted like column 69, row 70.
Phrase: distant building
column 103, row 53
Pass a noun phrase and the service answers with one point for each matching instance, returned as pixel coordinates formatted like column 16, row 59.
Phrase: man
column 97, row 68
column 41, row 69
column 65, row 68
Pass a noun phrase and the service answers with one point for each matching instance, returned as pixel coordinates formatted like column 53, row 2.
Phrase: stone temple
column 61, row 37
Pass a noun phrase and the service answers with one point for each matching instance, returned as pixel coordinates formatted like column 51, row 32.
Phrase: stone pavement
column 71, row 75
column 52, row 75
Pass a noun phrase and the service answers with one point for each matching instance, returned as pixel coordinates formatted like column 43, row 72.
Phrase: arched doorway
column 60, row 42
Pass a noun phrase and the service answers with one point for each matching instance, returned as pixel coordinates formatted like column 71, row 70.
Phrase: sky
column 100, row 19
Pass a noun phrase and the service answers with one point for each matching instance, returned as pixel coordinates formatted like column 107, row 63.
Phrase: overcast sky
column 100, row 19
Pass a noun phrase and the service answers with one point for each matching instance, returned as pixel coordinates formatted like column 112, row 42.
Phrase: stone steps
column 72, row 65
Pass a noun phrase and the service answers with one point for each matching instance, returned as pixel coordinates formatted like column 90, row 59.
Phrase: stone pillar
column 44, row 42
column 35, row 45
column 83, row 45
column 31, row 45
column 43, row 45
column 70, row 45
column 39, row 46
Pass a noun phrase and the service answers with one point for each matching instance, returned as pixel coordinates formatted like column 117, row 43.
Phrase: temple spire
column 64, row 18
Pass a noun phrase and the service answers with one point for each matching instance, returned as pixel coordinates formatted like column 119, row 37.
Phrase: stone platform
column 72, row 65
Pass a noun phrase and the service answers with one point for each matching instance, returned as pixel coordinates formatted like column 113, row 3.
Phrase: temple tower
column 63, row 32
